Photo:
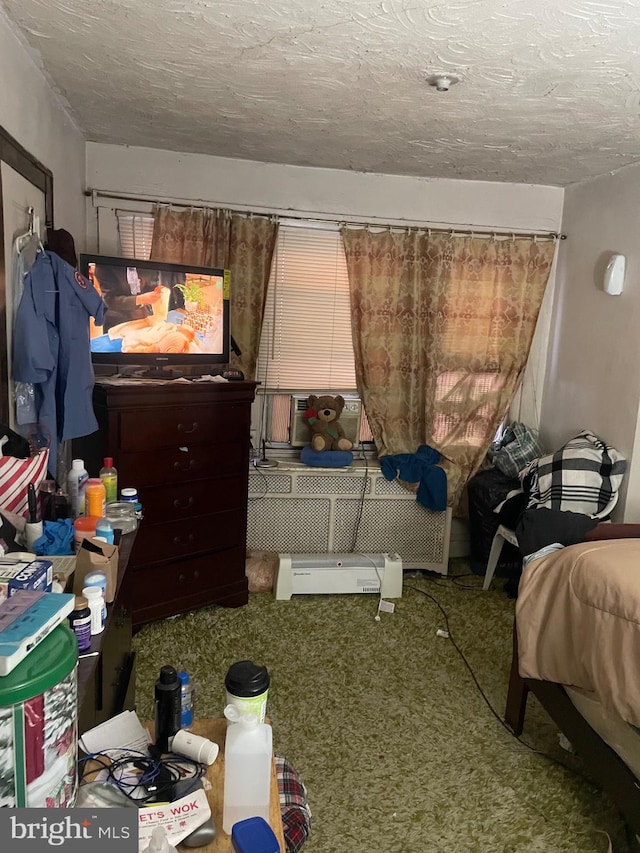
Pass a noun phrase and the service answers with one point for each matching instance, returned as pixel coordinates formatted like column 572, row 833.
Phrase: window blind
column 306, row 340
column 136, row 232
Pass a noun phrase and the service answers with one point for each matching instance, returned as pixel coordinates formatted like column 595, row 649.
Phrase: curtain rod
column 442, row 228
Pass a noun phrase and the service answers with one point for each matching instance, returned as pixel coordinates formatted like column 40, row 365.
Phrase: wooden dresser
column 185, row 447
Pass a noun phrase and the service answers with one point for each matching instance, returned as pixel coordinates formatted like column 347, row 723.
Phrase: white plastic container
column 76, row 485
column 247, row 768
column 93, row 594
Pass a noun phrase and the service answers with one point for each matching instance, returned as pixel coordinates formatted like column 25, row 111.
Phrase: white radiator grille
column 420, row 532
column 318, row 513
column 331, row 484
column 278, row 524
column 261, row 482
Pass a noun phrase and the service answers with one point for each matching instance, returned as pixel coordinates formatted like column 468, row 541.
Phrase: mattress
column 622, row 737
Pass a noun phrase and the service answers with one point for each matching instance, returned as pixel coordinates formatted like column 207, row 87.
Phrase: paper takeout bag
column 105, row 560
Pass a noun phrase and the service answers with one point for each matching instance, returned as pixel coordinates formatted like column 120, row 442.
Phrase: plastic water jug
column 247, row 768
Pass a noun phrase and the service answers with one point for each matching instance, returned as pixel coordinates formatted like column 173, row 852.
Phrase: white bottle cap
column 92, row 592
column 78, row 465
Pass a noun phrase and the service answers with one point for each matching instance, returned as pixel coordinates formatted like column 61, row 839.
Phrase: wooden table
column 216, row 730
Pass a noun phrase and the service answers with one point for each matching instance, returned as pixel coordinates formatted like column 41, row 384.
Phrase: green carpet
column 382, row 720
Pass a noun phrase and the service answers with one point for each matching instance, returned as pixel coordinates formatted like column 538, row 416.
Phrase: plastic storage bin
column 38, row 726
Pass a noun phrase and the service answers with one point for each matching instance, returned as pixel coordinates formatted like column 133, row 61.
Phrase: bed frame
column 605, row 766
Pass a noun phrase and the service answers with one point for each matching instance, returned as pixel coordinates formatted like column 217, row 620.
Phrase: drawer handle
column 196, row 575
column 192, row 428
column 181, row 578
column 178, row 504
column 178, row 541
column 180, row 467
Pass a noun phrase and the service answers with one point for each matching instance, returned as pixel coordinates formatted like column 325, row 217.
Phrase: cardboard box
column 96, row 556
column 35, row 574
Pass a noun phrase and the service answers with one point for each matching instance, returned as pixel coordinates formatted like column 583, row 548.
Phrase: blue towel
column 57, row 538
column 420, row 467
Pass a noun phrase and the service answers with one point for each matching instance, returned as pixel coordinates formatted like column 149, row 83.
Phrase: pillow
column 326, row 458
column 519, row 452
column 15, row 476
column 580, row 477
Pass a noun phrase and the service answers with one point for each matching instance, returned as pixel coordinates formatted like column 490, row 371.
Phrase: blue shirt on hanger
column 51, row 347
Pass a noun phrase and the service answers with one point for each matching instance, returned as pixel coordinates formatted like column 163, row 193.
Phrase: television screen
column 159, row 313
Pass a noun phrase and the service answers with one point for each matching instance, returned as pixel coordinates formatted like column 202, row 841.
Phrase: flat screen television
column 159, row 315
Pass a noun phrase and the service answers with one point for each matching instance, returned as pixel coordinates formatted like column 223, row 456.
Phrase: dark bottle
column 168, row 706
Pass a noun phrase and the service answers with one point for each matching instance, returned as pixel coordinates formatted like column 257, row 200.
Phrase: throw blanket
column 578, row 622
column 580, row 477
column 422, row 468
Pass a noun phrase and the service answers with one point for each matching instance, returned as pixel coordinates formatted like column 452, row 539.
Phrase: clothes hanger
column 33, row 230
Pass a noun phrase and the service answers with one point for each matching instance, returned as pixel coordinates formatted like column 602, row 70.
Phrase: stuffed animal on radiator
column 323, row 418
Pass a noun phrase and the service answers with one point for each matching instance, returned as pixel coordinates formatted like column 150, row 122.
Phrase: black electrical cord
column 504, row 725
column 155, row 776
column 265, row 483
column 365, row 482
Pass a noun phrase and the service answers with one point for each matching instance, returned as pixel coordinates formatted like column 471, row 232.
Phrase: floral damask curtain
column 442, row 327
column 220, row 238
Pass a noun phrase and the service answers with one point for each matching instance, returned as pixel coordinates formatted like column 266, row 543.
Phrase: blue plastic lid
column 254, row 835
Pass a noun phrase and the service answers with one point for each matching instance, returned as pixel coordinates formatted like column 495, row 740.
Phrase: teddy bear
column 323, row 418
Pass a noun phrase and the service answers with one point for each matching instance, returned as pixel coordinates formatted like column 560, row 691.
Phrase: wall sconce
column 614, row 275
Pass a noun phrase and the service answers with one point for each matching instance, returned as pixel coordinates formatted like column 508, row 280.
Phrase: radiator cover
column 316, row 574
column 301, row 510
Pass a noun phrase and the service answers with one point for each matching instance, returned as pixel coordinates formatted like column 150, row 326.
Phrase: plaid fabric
column 296, row 814
column 517, row 453
column 580, row 477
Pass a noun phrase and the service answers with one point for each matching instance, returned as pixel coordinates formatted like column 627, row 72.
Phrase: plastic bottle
column 168, row 706
column 95, row 497
column 99, row 579
column 80, row 623
column 93, row 594
column 159, row 843
column 109, row 477
column 186, row 696
column 76, row 485
column 104, row 529
column 247, row 768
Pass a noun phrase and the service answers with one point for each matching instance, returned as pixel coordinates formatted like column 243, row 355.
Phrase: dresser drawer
column 172, row 465
column 169, row 426
column 183, row 584
column 170, row 541
column 183, row 500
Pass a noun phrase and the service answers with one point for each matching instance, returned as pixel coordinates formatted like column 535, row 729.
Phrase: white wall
column 593, row 372
column 302, row 190
column 32, row 114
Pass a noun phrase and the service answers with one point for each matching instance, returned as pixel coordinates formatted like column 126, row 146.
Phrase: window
column 308, row 292
column 136, row 232
column 453, row 389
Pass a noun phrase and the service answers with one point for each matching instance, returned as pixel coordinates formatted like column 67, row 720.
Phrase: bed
column 576, row 646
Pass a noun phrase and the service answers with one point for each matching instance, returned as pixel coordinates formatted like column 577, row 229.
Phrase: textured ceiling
column 549, row 91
